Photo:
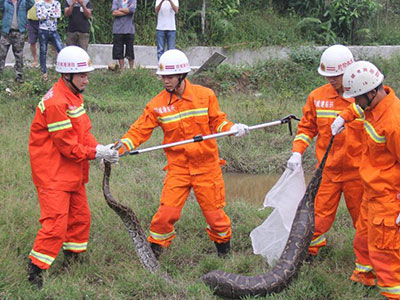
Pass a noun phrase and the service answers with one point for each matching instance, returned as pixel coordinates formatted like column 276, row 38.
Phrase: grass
column 111, row 269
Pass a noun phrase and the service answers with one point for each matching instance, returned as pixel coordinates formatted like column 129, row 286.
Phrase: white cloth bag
column 269, row 239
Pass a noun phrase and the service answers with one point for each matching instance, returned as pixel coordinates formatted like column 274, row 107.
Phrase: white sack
column 269, row 239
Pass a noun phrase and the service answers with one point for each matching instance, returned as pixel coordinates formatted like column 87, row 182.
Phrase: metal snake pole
column 199, row 138
column 128, row 217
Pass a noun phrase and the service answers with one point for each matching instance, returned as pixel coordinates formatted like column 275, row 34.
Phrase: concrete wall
column 146, row 56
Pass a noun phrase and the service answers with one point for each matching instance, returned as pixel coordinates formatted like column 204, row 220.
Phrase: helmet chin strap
column 71, row 77
column 172, row 91
column 372, row 99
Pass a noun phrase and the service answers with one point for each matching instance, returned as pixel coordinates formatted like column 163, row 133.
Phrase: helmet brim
column 172, row 72
column 327, row 74
column 63, row 71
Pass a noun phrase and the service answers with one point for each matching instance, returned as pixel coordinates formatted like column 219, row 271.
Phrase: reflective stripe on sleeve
column 373, row 134
column 76, row 112
column 56, row 126
column 303, row 137
column 359, row 111
column 128, row 143
column 219, row 128
column 41, row 106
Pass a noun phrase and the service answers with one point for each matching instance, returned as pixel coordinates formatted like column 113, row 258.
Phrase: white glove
column 241, row 129
column 398, row 220
column 337, row 125
column 294, row 161
column 108, row 153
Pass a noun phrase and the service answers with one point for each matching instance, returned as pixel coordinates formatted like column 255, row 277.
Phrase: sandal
column 45, row 77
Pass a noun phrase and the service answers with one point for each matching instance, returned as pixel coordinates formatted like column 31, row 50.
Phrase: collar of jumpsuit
column 187, row 92
column 68, row 92
column 383, row 105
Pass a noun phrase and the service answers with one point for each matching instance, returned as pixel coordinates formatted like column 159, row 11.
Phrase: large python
column 237, row 286
column 128, row 217
column 131, row 222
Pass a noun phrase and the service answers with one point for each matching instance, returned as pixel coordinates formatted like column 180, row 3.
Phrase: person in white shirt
column 166, row 27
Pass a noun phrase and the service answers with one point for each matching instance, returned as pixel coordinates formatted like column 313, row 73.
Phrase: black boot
column 35, row 275
column 223, row 248
column 70, row 258
column 157, row 249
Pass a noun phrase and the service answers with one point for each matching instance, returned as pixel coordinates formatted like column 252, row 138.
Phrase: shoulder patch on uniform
column 48, row 95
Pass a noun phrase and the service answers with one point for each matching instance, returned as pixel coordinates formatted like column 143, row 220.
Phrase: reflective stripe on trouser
column 65, row 219
column 209, row 190
column 326, row 204
column 364, row 274
column 378, row 242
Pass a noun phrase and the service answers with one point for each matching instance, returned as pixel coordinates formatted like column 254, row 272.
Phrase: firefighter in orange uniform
column 340, row 174
column 378, row 226
column 184, row 110
column 60, row 145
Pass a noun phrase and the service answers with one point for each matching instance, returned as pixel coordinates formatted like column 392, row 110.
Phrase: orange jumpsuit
column 341, row 170
column 377, row 235
column 194, row 165
column 60, row 145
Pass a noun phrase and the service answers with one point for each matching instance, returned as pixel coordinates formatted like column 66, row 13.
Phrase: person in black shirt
column 78, row 13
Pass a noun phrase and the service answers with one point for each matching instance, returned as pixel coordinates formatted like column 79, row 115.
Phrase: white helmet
column 173, row 62
column 335, row 60
column 360, row 78
column 73, row 59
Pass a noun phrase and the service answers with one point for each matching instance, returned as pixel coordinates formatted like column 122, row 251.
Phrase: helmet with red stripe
column 173, row 62
column 73, row 59
column 335, row 60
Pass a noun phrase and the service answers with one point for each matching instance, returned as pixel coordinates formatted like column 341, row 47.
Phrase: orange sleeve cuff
column 92, row 153
column 299, row 147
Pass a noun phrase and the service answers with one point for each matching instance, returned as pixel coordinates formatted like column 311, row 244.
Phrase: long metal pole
column 200, row 138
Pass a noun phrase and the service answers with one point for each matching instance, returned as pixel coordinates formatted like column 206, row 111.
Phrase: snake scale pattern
column 131, row 222
column 278, row 278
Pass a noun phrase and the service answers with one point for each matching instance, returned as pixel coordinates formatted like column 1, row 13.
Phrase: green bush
column 255, row 23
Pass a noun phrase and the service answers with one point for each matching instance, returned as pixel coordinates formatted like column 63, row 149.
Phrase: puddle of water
column 250, row 188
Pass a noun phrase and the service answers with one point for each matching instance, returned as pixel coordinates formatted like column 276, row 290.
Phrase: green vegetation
column 255, row 23
column 111, row 269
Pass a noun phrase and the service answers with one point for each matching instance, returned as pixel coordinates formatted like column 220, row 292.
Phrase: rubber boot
column 223, row 248
column 70, row 258
column 157, row 249
column 309, row 259
column 35, row 275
